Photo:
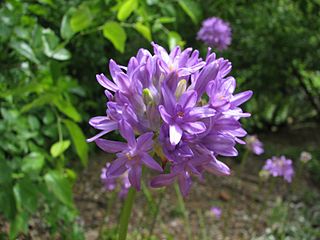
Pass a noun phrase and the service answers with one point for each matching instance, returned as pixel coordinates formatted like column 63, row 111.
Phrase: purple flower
column 254, row 144
column 215, row 33
column 280, row 167
column 130, row 156
column 111, row 183
column 158, row 98
column 216, row 211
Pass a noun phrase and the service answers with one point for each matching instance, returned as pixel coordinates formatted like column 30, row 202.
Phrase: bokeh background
column 50, row 177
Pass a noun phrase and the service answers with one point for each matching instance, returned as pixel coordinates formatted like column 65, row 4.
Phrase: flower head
column 215, row 33
column 254, row 144
column 156, row 104
column 280, row 167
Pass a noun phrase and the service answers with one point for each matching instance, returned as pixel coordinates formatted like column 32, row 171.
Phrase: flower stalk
column 125, row 214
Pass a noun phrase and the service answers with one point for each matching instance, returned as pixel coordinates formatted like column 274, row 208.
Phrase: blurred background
column 50, row 184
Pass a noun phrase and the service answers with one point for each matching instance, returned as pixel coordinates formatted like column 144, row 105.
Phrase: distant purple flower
column 254, row 144
column 215, row 33
column 156, row 104
column 216, row 211
column 111, row 183
column 280, row 167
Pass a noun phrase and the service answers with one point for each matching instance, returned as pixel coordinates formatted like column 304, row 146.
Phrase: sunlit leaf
column 65, row 29
column 59, row 147
column 81, row 19
column 25, row 50
column 79, row 141
column 174, row 39
column 116, row 34
column 126, row 9
column 33, row 162
column 143, row 30
column 68, row 109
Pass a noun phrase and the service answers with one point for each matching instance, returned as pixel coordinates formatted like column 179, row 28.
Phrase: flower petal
column 106, row 83
column 240, row 98
column 194, row 127
column 151, row 163
column 164, row 115
column 175, row 134
column 162, row 180
column 110, row 146
column 117, row 167
column 145, row 142
column 188, row 99
column 135, row 176
column 126, row 132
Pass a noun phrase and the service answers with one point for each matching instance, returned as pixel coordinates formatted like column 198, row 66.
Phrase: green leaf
column 126, row 9
column 51, row 46
column 38, row 102
column 116, row 34
column 25, row 50
column 59, row 147
column 66, row 31
column 68, row 109
column 33, row 163
column 25, row 193
column 192, row 9
column 79, row 141
column 81, row 19
column 166, row 19
column 143, row 30
column 18, row 225
column 58, row 184
column 5, row 175
column 174, row 39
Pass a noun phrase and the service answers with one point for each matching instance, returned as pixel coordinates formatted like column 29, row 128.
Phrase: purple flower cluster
column 215, row 33
column 254, row 144
column 112, row 183
column 156, row 105
column 280, row 167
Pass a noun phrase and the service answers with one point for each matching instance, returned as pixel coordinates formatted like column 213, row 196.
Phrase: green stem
column 156, row 214
column 244, row 160
column 184, row 210
column 125, row 214
column 202, row 225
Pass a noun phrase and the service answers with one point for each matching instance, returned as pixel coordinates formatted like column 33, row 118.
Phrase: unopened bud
column 147, row 96
column 181, row 88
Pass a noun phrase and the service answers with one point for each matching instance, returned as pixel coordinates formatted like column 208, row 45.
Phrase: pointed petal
column 201, row 112
column 240, row 98
column 194, row 127
column 117, row 167
column 218, row 168
column 145, row 142
column 126, row 132
column 103, row 123
column 97, row 136
column 106, row 83
column 175, row 133
column 188, row 99
column 164, row 115
column 162, row 180
column 151, row 163
column 135, row 176
column 184, row 184
column 110, row 146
